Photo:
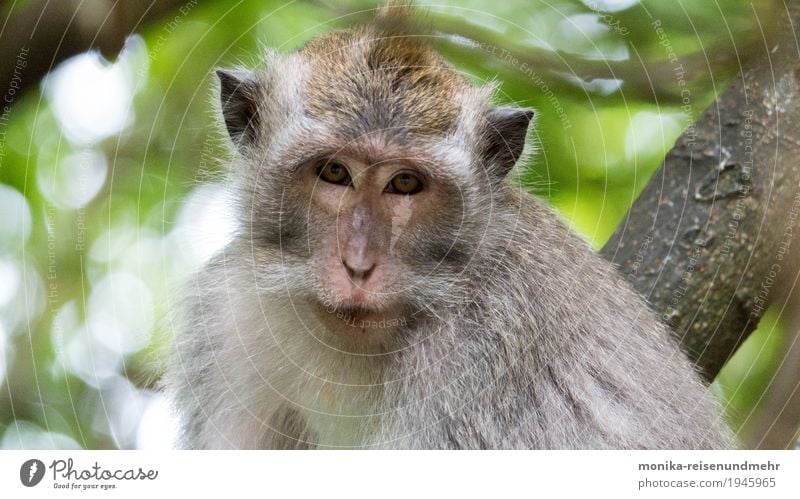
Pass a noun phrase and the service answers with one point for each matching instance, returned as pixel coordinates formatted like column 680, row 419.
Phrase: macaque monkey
column 391, row 286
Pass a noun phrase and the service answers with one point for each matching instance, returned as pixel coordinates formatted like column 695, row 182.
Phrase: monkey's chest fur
column 492, row 375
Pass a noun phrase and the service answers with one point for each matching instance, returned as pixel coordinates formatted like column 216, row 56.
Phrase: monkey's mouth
column 354, row 310
column 348, row 311
column 355, row 319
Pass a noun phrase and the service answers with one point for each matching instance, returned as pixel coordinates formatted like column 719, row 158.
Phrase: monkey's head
column 370, row 173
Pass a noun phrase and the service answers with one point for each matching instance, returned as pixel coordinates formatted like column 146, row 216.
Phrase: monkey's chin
column 358, row 323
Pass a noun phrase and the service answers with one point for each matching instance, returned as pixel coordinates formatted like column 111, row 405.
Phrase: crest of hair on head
column 398, row 18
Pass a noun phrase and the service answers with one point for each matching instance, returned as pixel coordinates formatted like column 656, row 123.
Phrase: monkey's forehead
column 374, row 80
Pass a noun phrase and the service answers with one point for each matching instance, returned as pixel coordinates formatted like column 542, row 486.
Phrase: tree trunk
column 708, row 241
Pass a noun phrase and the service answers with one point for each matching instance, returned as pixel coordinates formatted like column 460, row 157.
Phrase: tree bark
column 709, row 242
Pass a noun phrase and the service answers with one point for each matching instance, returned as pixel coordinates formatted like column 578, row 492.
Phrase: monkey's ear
column 239, row 97
column 506, row 130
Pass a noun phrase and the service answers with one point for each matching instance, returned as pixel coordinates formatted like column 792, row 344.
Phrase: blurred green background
column 110, row 187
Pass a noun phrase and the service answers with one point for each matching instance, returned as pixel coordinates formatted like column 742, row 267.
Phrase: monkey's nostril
column 358, row 273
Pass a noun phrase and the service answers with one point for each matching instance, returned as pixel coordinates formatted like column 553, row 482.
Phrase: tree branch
column 708, row 240
column 36, row 37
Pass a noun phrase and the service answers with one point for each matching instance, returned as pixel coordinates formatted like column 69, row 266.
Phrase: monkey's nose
column 359, row 271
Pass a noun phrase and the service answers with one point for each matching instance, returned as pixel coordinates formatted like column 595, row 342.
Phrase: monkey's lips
column 356, row 320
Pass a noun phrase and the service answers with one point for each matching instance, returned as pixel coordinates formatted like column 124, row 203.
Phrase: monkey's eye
column 404, row 183
column 334, row 172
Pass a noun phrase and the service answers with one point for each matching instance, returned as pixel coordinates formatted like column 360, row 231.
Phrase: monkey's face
column 370, row 175
column 382, row 239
